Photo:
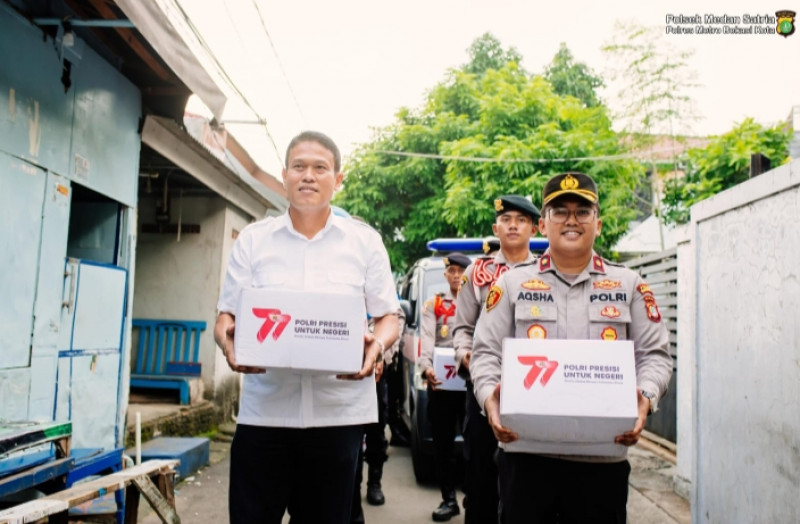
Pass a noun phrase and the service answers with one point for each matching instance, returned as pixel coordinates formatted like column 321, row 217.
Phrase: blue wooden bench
column 167, row 354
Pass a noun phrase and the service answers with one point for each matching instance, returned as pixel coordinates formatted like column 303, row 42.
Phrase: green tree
column 721, row 164
column 436, row 171
column 487, row 53
column 573, row 78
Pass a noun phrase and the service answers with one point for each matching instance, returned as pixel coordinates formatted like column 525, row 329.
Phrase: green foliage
column 486, row 53
column 722, row 164
column 654, row 81
column 573, row 78
column 489, row 131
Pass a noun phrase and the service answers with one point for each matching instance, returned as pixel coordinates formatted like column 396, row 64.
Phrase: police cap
column 516, row 203
column 573, row 183
column 491, row 244
column 457, row 259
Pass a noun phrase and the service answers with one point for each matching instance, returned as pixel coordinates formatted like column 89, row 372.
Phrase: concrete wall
column 687, row 370
column 180, row 280
column 746, row 445
column 227, row 383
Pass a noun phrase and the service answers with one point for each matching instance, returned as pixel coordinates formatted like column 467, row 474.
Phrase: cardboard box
column 306, row 331
column 444, row 365
column 568, row 397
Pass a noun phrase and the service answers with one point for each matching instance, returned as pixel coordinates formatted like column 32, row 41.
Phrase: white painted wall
column 746, row 247
column 686, row 368
column 180, row 280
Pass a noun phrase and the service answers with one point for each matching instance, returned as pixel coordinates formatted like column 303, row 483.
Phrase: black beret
column 457, row 259
column 491, row 244
column 573, row 183
column 516, row 203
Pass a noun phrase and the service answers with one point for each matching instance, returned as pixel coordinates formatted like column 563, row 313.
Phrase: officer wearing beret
column 445, row 408
column 571, row 302
column 515, row 223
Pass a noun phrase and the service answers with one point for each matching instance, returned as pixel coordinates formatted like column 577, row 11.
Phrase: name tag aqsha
column 568, row 397
column 444, row 365
column 299, row 330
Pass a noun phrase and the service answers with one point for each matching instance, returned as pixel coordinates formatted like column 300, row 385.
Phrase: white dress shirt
column 346, row 256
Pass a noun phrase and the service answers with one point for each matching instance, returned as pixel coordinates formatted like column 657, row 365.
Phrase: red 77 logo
column 537, row 365
column 451, row 371
column 273, row 317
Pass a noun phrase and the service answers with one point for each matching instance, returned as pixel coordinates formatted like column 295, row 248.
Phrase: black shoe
column 375, row 495
column 446, row 510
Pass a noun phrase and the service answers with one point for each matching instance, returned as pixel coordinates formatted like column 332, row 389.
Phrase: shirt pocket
column 269, row 279
column 609, row 321
column 345, row 282
column 535, row 320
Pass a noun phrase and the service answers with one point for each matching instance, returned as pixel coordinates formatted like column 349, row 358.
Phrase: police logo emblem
column 444, row 331
column 569, row 182
column 535, row 311
column 544, row 263
column 652, row 308
column 785, row 23
column 598, row 263
column 495, row 293
column 609, row 333
column 498, row 204
column 537, row 331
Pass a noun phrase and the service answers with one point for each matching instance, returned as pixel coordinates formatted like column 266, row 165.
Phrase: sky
column 346, row 67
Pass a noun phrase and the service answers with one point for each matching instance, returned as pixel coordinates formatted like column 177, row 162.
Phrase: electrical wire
column 434, row 156
column 227, row 77
column 278, row 58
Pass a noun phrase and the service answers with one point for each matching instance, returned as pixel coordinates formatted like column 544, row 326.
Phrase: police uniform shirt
column 475, row 284
column 436, row 327
column 604, row 302
column 346, row 256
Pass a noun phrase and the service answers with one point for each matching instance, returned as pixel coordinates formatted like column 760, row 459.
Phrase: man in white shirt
column 297, row 438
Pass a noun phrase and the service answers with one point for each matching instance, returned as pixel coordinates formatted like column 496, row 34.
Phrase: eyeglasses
column 559, row 215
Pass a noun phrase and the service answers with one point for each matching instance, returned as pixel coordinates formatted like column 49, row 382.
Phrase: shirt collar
column 596, row 264
column 285, row 221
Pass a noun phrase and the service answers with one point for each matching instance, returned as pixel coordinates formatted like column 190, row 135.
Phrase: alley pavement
column 203, row 497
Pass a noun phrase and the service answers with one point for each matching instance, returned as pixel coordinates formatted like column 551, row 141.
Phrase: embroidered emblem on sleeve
column 495, row 293
column 652, row 308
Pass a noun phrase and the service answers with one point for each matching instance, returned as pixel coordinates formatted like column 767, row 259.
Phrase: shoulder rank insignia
column 535, row 284
column 495, row 293
column 598, row 264
column 644, row 289
column 544, row 262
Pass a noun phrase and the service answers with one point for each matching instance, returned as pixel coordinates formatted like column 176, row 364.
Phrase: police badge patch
column 495, row 293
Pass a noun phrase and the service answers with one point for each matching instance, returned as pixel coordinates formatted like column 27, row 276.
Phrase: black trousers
column 480, row 449
column 310, row 472
column 543, row 490
column 446, row 415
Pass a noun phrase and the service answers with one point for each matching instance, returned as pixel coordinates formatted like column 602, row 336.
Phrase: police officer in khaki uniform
column 570, row 293
column 515, row 223
column 445, row 408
